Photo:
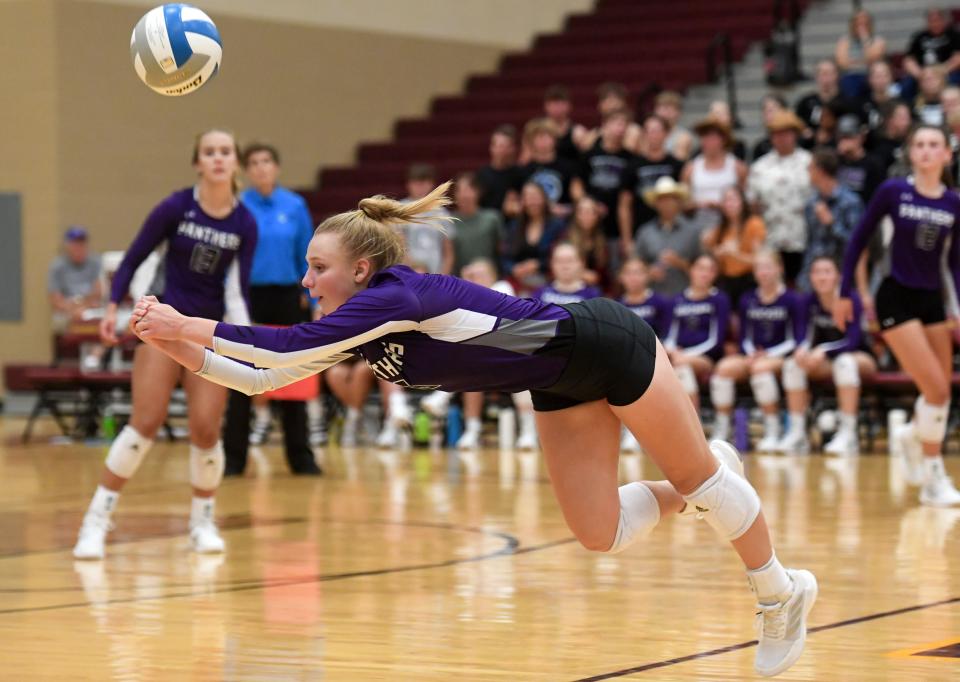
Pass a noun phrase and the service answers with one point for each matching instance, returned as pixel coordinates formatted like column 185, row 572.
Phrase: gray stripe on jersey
column 518, row 336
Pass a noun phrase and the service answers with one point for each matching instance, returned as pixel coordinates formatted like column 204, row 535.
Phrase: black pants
column 279, row 305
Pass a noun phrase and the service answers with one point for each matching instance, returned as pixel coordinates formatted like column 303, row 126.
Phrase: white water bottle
column 507, row 428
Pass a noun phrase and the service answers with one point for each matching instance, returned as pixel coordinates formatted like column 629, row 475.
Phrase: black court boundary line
column 510, row 548
column 753, row 642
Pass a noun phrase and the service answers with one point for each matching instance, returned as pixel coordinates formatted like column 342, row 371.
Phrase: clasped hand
column 155, row 321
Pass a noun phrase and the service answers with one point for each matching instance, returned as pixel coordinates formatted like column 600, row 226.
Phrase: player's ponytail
column 369, row 232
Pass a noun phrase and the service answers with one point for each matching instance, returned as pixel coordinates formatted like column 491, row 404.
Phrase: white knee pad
column 688, row 378
column 794, row 378
column 765, row 389
column 845, row 371
column 930, row 421
column 127, row 451
column 639, row 514
column 206, row 466
column 722, row 391
column 727, row 502
column 523, row 400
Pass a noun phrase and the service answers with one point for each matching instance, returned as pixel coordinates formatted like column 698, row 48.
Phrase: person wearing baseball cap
column 858, row 171
column 73, row 279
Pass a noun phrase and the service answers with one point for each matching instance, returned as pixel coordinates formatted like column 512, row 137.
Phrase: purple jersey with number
column 550, row 294
column 200, row 251
column 427, row 331
column 774, row 327
column 699, row 326
column 921, row 226
column 655, row 311
column 820, row 331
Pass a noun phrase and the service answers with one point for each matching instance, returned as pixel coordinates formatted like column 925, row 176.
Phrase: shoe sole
column 87, row 557
column 926, row 502
column 810, row 594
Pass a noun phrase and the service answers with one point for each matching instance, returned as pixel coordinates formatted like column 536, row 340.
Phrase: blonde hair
column 370, row 231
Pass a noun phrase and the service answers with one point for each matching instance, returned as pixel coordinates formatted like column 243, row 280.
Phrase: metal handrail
column 723, row 42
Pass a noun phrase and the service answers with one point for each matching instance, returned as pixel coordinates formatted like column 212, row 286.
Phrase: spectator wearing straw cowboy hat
column 669, row 243
column 779, row 187
column 714, row 169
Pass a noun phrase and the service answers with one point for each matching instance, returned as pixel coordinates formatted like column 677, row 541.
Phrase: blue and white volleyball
column 176, row 49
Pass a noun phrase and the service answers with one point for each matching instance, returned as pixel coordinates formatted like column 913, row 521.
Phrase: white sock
column 261, row 414
column 353, row 415
column 798, row 421
column 770, row 582
column 528, row 423
column 848, row 422
column 201, row 510
column 473, row 425
column 104, row 501
column 723, row 422
column 933, row 468
column 314, row 410
column 771, row 425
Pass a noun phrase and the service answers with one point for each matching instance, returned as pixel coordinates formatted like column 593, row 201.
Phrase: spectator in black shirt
column 938, row 45
column 611, row 97
column 882, row 90
column 810, row 107
column 557, row 176
column 927, row 107
column 857, row 170
column 886, row 143
column 771, row 104
column 602, row 171
column 501, row 177
column 556, row 109
column 640, row 175
column 530, row 237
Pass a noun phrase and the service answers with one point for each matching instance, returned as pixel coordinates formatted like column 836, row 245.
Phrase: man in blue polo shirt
column 276, row 298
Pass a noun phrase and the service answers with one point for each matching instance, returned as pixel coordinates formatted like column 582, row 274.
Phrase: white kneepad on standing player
column 127, row 452
column 727, row 502
column 639, row 514
column 794, row 378
column 688, row 378
column 765, row 389
column 845, row 371
column 206, row 466
column 930, row 421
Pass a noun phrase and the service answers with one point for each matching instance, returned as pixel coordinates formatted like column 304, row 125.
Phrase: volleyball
column 176, row 49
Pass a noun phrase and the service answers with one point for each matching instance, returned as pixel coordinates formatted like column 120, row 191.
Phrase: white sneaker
column 260, row 432
column 205, row 538
column 92, row 538
column 348, row 437
column 400, row 412
column 843, row 444
column 911, row 454
column 527, row 441
column 437, row 403
column 726, row 454
column 389, row 435
column 793, row 443
column 629, row 442
column 940, row 492
column 470, row 440
column 782, row 628
column 768, row 443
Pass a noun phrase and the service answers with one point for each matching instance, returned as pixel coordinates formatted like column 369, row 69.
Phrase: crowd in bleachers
column 718, row 246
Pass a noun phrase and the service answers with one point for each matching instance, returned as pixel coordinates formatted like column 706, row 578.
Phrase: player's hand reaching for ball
column 152, row 320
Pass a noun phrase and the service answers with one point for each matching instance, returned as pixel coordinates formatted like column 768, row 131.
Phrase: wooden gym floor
column 430, row 566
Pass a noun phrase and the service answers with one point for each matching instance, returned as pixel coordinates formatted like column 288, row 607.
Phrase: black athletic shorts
column 611, row 353
column 897, row 304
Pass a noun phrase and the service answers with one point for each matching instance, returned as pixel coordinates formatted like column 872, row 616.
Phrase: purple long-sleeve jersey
column 699, row 326
column 426, row 331
column 921, row 226
column 655, row 311
column 200, row 251
column 821, row 333
column 775, row 327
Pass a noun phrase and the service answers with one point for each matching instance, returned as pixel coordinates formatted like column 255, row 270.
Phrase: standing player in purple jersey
column 699, row 318
column 591, row 366
column 568, row 285
column 770, row 329
column 910, row 302
column 209, row 240
column 826, row 351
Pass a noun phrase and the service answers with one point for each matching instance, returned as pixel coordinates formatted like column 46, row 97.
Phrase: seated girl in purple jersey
column 640, row 299
column 209, row 239
column 483, row 272
column 825, row 352
column 568, row 285
column 770, row 329
column 590, row 366
column 910, row 303
column 699, row 319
